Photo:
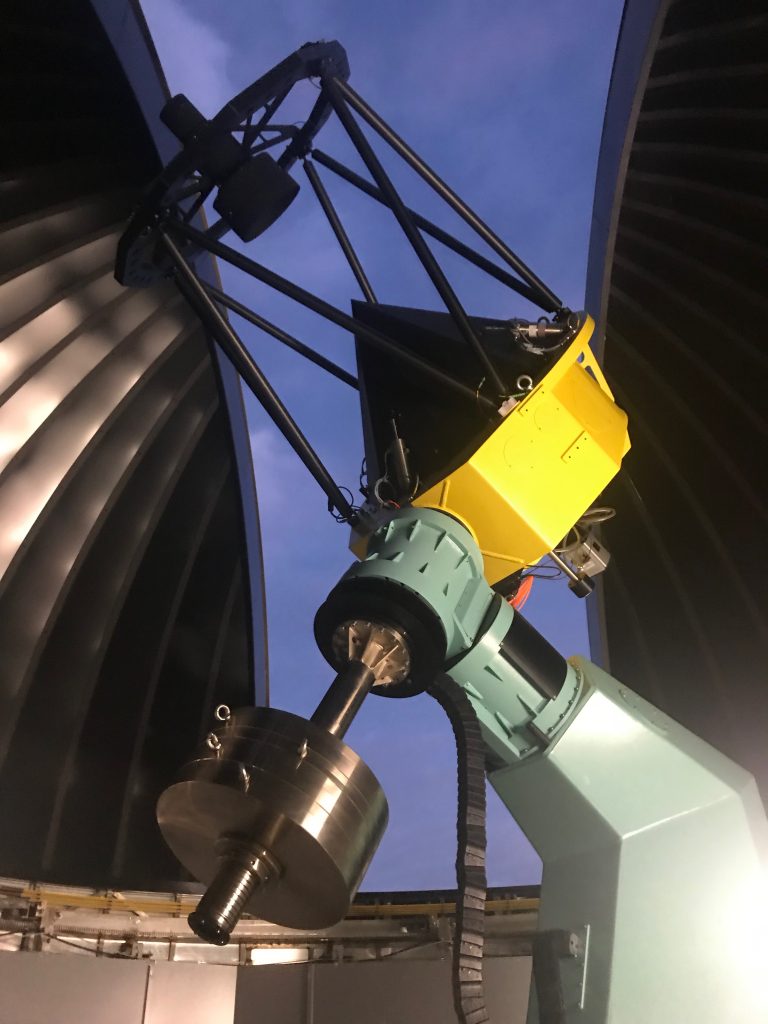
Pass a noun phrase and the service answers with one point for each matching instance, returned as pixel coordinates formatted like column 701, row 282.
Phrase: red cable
column 522, row 594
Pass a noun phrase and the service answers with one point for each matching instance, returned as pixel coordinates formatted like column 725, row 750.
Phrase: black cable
column 471, row 883
column 91, row 949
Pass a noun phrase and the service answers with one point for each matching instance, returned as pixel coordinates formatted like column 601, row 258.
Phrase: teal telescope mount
column 654, row 845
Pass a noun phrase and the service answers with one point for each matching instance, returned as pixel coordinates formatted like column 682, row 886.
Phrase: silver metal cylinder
column 280, row 820
column 224, row 901
column 341, row 702
column 241, row 869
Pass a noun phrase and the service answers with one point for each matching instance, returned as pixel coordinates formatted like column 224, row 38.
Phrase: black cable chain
column 468, row 998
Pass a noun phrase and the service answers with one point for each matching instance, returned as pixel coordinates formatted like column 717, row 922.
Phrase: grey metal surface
column 126, row 606
column 192, row 993
column 627, row 805
column 277, row 994
column 40, row 989
column 37, row 989
column 273, row 781
column 393, row 991
column 677, row 262
column 61, row 989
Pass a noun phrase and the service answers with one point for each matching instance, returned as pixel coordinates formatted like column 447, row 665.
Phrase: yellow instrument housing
column 545, row 464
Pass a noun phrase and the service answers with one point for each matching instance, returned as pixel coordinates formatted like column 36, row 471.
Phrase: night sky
column 505, row 100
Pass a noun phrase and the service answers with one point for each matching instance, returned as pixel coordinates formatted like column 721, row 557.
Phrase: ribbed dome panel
column 125, row 590
column 684, row 601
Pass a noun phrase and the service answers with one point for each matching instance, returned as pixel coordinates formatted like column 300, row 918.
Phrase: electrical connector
column 590, row 557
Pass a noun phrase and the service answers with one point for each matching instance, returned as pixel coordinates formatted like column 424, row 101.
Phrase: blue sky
column 505, row 100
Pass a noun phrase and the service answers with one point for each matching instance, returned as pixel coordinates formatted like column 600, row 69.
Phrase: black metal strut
column 338, row 229
column 436, row 232
column 194, row 292
column 325, row 309
column 228, row 152
column 277, row 332
column 343, row 89
column 411, row 232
